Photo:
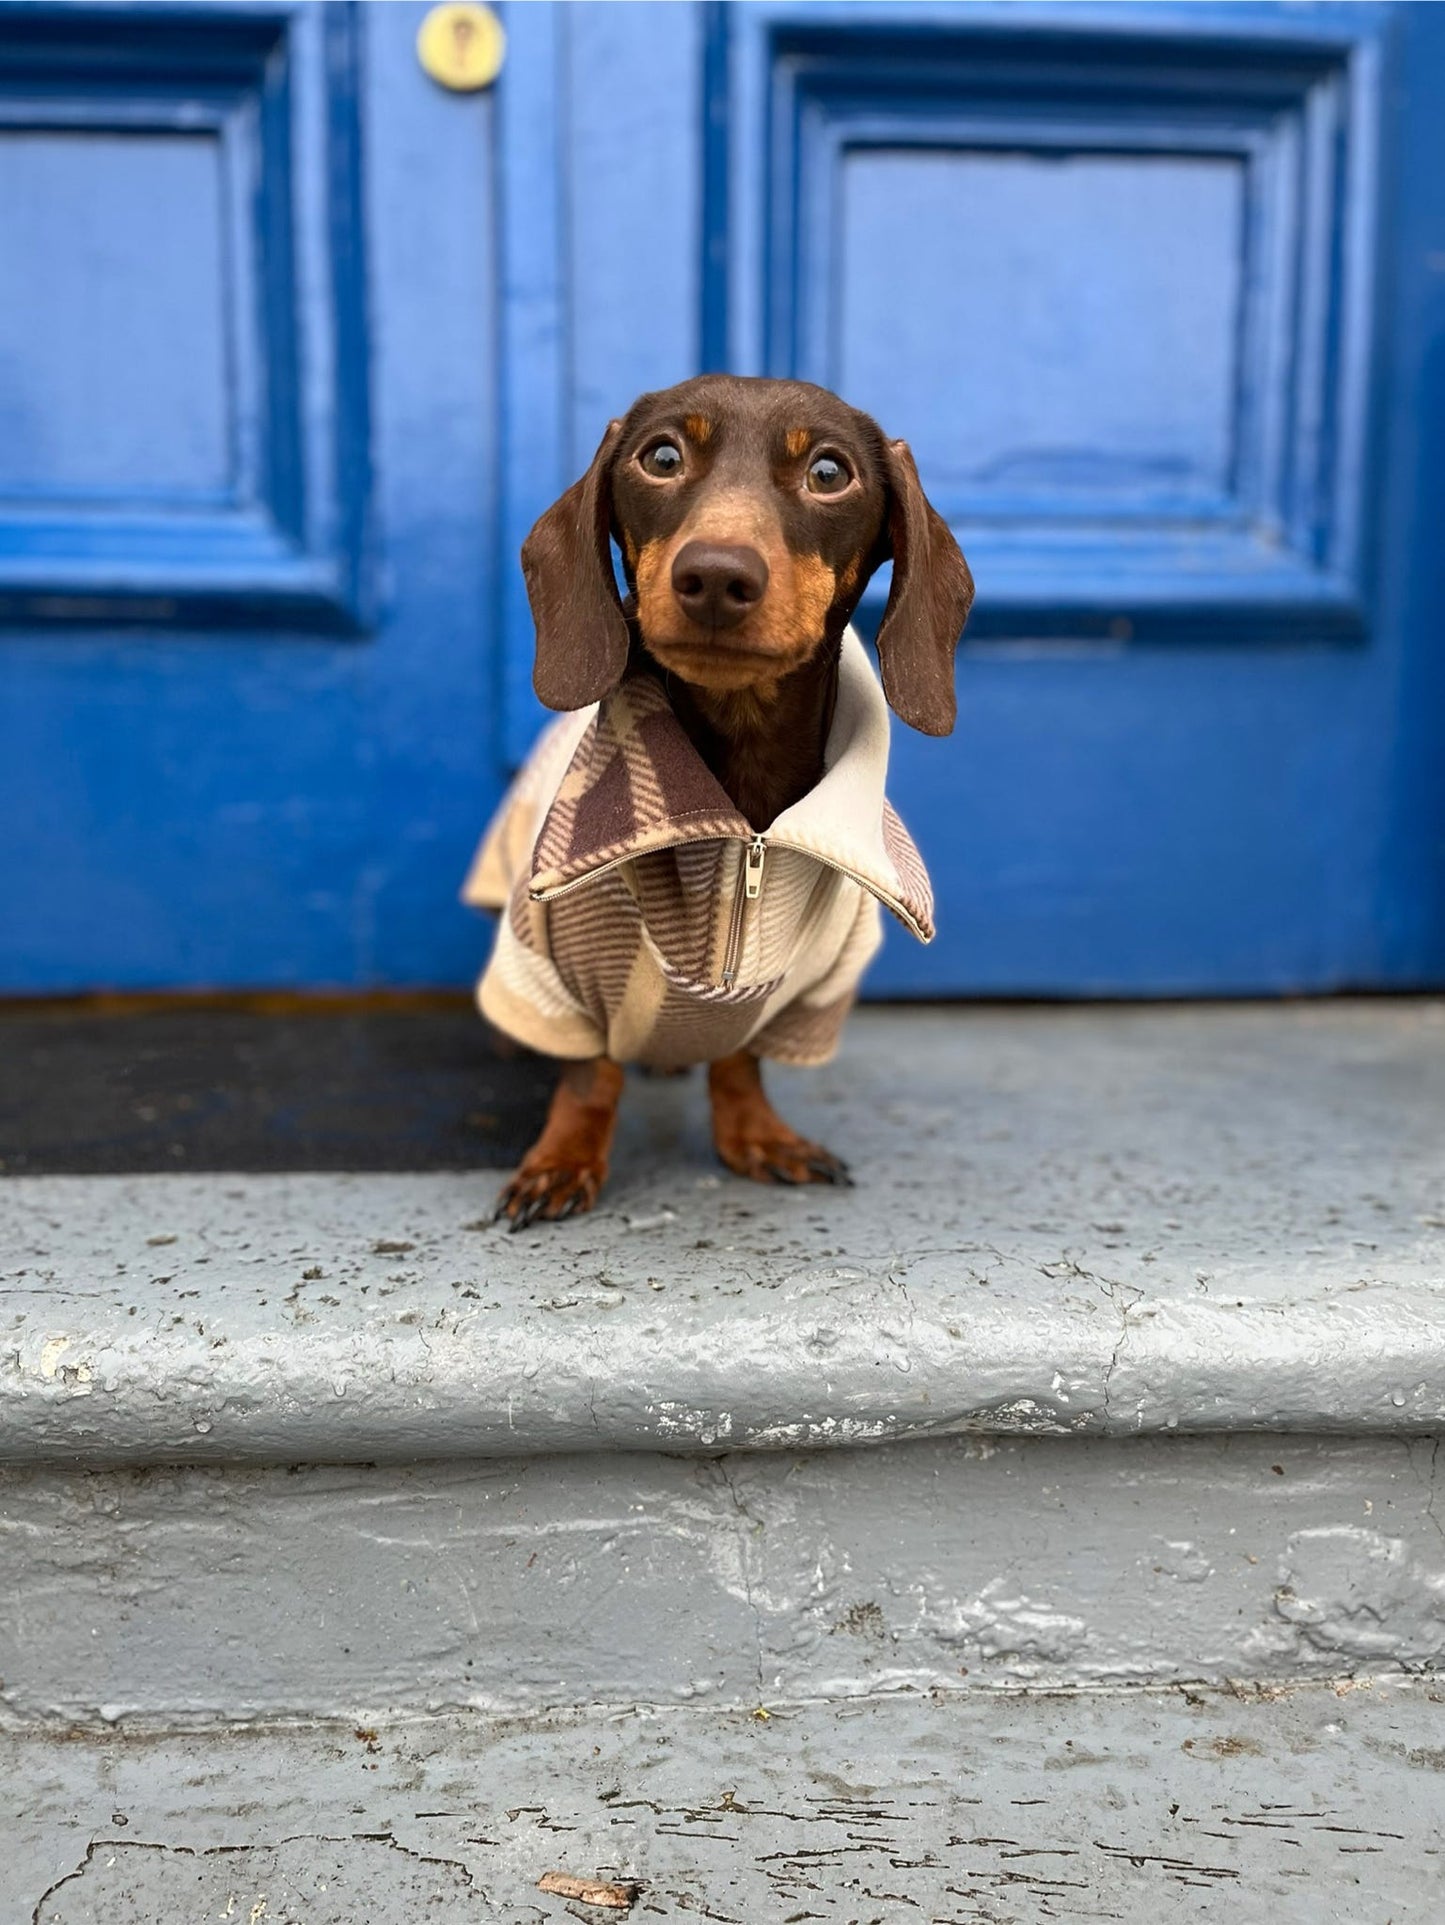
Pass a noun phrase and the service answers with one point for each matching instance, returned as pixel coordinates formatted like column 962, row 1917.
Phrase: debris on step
column 589, row 1891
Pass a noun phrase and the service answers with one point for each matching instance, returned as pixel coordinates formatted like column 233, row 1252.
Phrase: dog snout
column 718, row 584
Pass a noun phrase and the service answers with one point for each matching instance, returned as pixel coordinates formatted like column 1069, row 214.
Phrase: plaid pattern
column 618, row 859
column 634, row 783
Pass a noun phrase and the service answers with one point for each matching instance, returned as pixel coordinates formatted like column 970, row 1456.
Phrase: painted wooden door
column 247, row 498
column 1157, row 294
column 293, row 345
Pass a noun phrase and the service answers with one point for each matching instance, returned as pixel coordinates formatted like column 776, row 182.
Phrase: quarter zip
column 753, row 868
column 754, row 855
column 838, row 833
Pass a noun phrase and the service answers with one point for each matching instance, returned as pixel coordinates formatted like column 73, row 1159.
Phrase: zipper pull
column 753, row 875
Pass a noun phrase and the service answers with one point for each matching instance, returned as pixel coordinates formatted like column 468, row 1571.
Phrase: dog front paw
column 546, row 1190
column 776, row 1154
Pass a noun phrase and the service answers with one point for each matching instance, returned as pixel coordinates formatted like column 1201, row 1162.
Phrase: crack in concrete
column 118, row 1845
column 753, row 1523
column 1111, row 1288
column 1430, row 1479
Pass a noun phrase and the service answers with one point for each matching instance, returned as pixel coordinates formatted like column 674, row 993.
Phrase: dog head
column 751, row 515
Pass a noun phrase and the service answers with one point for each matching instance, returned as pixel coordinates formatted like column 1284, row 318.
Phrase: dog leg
column 752, row 1139
column 562, row 1173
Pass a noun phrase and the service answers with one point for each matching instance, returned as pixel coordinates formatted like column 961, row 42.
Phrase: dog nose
column 718, row 584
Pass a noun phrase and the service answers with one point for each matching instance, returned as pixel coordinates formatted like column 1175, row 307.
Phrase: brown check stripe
column 622, row 923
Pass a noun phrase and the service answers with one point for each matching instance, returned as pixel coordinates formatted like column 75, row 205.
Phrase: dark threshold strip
column 131, row 1088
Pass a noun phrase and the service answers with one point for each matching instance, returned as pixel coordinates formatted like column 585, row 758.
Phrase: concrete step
column 1290, row 1807
column 1068, row 1222
column 283, row 1446
column 798, row 1554
column 200, row 1595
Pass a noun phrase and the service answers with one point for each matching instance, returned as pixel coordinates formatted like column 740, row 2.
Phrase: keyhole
column 460, row 46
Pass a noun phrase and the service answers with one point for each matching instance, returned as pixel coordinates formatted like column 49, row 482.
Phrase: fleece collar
column 636, row 784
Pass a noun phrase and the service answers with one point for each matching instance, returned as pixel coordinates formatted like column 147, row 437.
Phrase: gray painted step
column 1068, row 1221
column 513, row 1586
column 1290, row 1809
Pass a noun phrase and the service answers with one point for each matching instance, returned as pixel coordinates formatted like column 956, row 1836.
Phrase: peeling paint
column 1127, row 1807
column 325, row 1880
column 1359, row 1594
column 51, row 1351
column 1005, row 1622
column 509, row 1584
column 1180, row 1559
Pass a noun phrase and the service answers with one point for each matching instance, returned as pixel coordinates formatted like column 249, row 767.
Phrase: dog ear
column 582, row 638
column 928, row 602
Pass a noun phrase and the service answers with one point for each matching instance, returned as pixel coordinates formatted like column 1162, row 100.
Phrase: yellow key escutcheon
column 461, row 47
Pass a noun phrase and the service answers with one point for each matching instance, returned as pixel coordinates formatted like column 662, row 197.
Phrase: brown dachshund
column 737, row 724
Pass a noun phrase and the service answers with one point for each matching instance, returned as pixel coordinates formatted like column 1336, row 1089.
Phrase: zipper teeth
column 733, row 955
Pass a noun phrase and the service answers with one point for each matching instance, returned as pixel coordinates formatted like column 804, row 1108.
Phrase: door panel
column 1128, row 279
column 160, row 332
column 247, row 499
column 1063, row 409
column 183, row 331
column 1123, row 267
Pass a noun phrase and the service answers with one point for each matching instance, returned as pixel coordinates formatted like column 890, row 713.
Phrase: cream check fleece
column 619, row 862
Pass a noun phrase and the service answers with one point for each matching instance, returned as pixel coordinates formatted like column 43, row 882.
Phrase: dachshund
column 721, row 720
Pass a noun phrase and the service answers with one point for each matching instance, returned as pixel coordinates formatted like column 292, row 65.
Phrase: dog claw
column 545, row 1196
column 831, row 1169
column 792, row 1163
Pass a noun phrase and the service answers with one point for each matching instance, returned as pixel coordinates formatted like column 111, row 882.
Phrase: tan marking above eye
column 698, row 428
column 796, row 442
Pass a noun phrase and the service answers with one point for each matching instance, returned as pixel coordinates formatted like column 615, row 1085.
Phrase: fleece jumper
column 645, row 920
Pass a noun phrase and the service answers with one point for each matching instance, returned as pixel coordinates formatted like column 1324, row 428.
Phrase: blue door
column 294, row 344
column 248, row 406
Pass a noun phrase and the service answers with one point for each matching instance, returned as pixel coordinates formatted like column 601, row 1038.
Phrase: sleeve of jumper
column 505, row 851
column 522, row 991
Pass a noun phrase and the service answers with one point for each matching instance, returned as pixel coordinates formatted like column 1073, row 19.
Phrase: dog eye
column 827, row 475
column 663, row 459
